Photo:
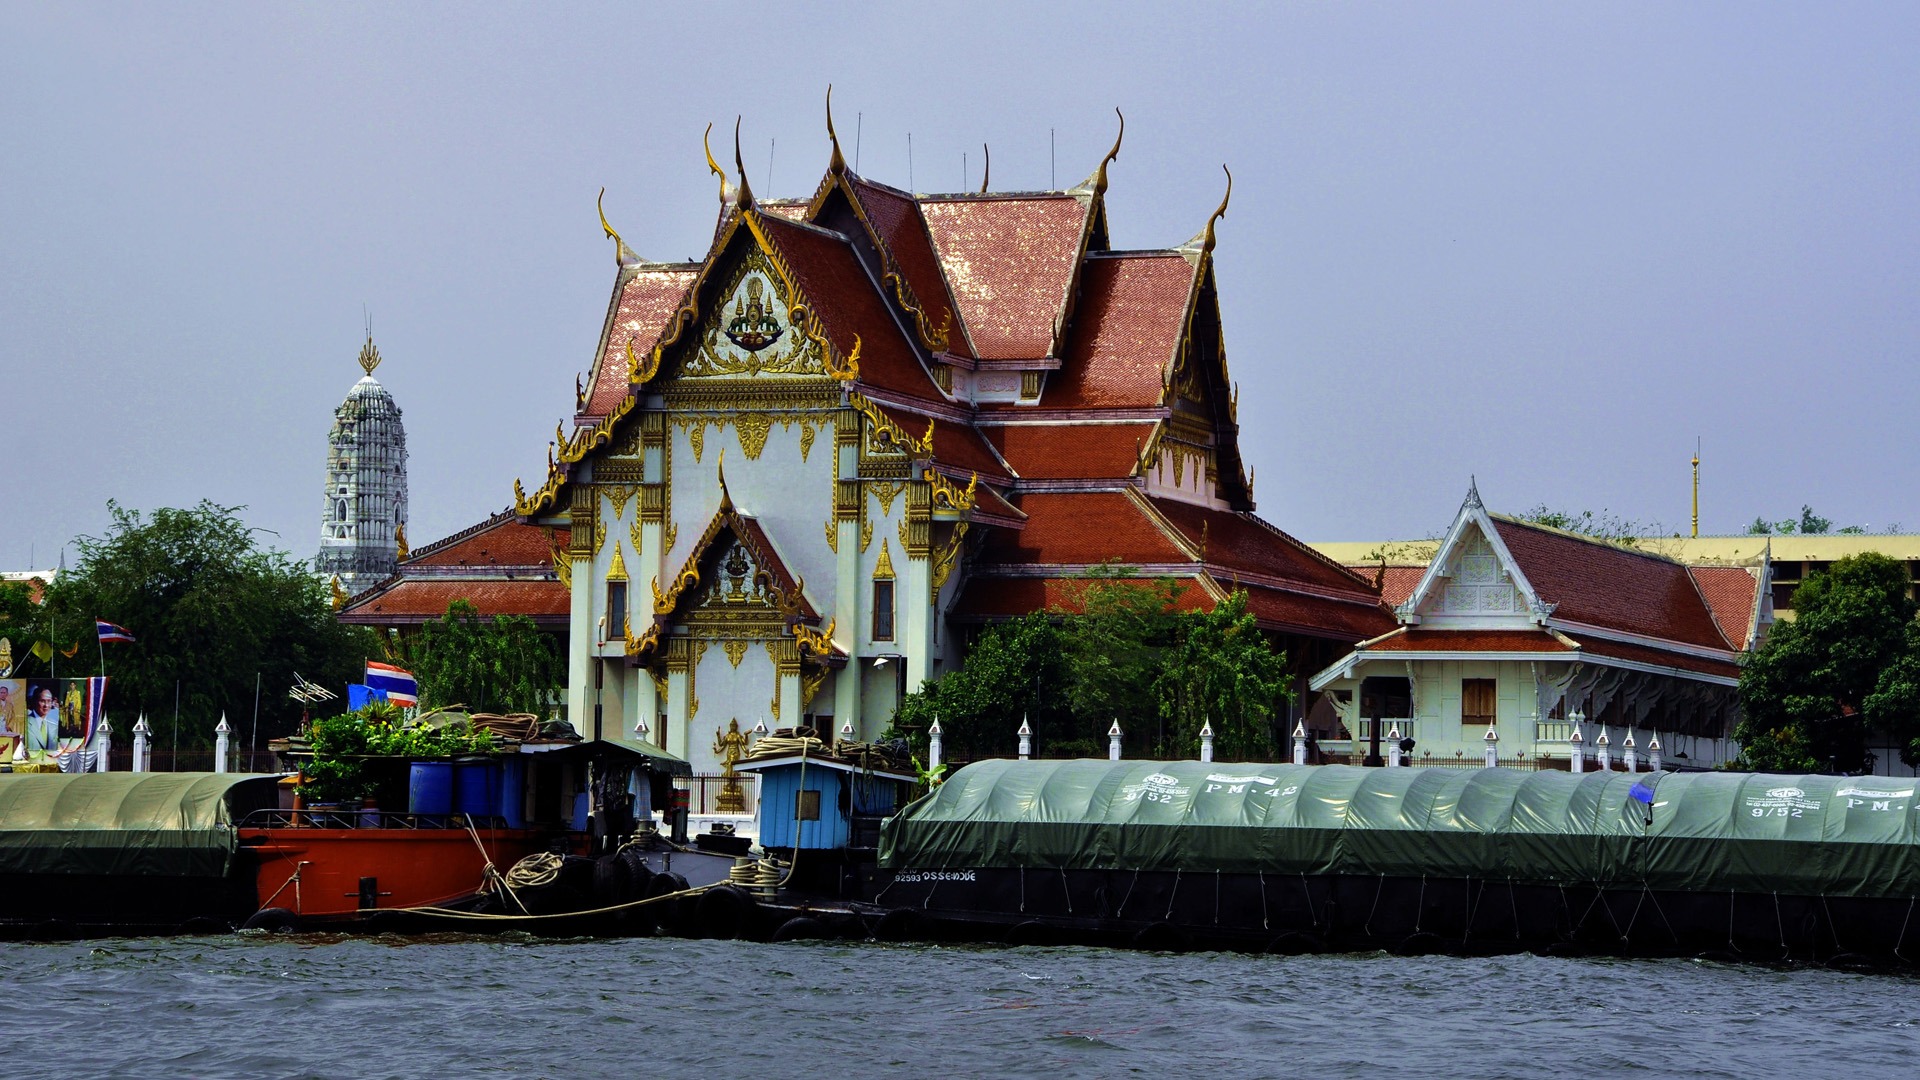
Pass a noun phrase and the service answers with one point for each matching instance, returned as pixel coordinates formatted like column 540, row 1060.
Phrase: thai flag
column 398, row 683
column 110, row 632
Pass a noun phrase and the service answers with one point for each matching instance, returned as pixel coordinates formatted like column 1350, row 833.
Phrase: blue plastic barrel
column 476, row 788
column 430, row 788
column 513, row 791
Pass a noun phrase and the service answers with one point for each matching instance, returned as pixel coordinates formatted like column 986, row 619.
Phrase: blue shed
column 820, row 803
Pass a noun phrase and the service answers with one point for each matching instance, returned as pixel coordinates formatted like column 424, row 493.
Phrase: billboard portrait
column 40, row 723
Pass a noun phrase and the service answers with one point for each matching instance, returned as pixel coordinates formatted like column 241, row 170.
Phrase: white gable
column 1472, row 583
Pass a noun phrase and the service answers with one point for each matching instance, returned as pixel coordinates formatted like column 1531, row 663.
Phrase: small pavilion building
column 1533, row 635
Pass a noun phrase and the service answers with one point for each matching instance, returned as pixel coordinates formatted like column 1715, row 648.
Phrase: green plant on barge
column 342, row 744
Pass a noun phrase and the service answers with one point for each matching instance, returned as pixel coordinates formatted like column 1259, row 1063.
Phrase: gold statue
column 730, row 746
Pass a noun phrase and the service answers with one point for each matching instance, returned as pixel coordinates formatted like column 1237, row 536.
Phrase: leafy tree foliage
column 1224, row 673
column 1851, row 655
column 1807, row 524
column 499, row 664
column 1123, row 652
column 209, row 608
column 1014, row 669
column 1604, row 525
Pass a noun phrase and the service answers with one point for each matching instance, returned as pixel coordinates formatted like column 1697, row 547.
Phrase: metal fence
column 704, row 791
column 248, row 761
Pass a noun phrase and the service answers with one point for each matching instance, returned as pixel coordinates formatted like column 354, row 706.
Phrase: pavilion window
column 616, row 610
column 1477, row 699
column 883, row 610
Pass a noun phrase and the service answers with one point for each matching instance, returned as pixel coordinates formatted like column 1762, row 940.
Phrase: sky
column 1546, row 246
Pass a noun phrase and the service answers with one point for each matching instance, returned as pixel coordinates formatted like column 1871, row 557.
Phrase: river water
column 246, row 1005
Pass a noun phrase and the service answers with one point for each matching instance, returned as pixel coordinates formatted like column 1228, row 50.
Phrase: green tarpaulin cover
column 164, row 824
column 1807, row 835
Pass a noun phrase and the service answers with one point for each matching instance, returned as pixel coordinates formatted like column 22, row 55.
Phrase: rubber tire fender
column 671, row 916
column 801, row 928
column 274, row 920
column 724, row 912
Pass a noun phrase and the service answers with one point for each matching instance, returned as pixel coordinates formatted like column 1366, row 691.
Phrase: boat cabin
column 821, row 803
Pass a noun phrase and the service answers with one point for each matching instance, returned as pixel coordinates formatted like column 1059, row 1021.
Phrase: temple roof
column 1011, row 261
column 1606, row 585
column 500, row 565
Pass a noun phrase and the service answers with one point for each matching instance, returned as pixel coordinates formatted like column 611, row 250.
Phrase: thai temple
column 803, row 470
column 363, row 520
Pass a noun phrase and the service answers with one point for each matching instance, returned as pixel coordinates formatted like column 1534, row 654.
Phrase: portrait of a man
column 42, row 718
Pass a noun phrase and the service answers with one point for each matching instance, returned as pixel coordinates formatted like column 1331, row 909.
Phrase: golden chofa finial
column 1100, row 174
column 838, row 164
column 713, row 165
column 986, row 167
column 369, row 356
column 623, row 255
column 1206, row 237
column 745, row 194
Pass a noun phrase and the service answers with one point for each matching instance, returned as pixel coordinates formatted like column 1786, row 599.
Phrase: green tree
column 1223, row 672
column 210, row 610
column 1851, row 649
column 1808, row 523
column 22, row 622
column 1014, row 669
column 1115, row 632
column 499, row 664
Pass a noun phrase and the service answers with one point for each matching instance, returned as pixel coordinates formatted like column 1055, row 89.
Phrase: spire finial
column 839, row 163
column 712, row 165
column 986, row 169
column 1100, row 174
column 369, row 356
column 1473, row 493
column 623, row 255
column 744, row 195
column 1206, row 239
column 726, row 497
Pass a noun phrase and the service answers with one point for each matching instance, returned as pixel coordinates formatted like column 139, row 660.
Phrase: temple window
column 883, row 610
column 616, row 610
column 1477, row 698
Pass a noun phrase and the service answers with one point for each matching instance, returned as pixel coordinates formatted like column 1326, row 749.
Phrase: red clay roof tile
column 498, row 541
column 1009, row 262
column 1237, row 541
column 1730, row 592
column 1603, row 585
column 897, row 218
column 646, row 301
column 1071, row 451
column 1081, row 528
column 544, row 599
column 1418, row 640
column 1131, row 315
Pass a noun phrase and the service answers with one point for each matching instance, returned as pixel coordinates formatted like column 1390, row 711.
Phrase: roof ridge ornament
column 986, row 168
column 369, row 355
column 838, row 165
column 1206, row 236
column 1099, row 177
column 1473, row 493
column 623, row 256
column 714, row 166
column 744, row 195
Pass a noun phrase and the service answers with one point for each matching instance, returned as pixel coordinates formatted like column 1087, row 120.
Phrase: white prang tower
column 363, row 530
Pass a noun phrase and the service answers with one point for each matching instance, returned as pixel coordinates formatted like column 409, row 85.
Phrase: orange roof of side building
column 500, row 565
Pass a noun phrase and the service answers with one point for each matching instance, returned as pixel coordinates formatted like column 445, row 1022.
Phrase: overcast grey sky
column 1547, row 244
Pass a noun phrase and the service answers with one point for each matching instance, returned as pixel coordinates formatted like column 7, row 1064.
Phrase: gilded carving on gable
column 753, row 331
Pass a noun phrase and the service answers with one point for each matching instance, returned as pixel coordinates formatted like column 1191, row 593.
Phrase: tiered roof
column 1059, row 372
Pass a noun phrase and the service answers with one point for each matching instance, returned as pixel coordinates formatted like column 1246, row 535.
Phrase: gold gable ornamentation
column 883, row 569
column 948, row 557
column 948, row 495
column 617, row 571
column 736, row 651
column 817, row 642
column 740, row 334
column 753, row 429
column 810, row 687
column 833, row 534
column 887, row 436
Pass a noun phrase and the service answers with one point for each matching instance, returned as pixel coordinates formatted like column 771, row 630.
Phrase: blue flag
column 359, row 696
column 1642, row 792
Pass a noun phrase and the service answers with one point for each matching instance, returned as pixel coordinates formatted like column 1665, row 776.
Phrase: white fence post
column 1393, row 747
column 1493, row 747
column 1026, row 738
column 140, row 733
column 1632, row 754
column 1577, row 751
column 1606, row 752
column 934, row 735
column 1300, row 743
column 1113, row 741
column 220, row 744
column 102, row 745
column 1206, row 741
column 1653, row 753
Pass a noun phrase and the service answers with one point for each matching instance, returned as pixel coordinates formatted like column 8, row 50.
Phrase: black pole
column 1374, row 760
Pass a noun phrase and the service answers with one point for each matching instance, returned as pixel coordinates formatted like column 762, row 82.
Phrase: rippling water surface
column 357, row 1007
